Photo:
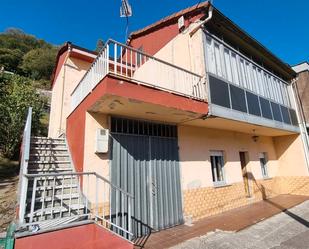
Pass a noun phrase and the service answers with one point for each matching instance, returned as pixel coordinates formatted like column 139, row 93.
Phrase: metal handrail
column 135, row 50
column 153, row 57
column 127, row 62
column 25, row 153
column 105, row 216
column 31, row 176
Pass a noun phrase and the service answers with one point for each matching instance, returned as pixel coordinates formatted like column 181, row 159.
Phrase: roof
column 69, row 46
column 188, row 11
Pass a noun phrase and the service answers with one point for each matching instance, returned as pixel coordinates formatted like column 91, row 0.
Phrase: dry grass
column 8, row 189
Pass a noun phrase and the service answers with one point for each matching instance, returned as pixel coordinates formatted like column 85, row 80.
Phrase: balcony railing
column 129, row 63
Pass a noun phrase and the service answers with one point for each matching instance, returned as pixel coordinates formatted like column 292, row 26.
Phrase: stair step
column 47, row 162
column 56, row 197
column 55, row 210
column 47, row 138
column 57, row 178
column 41, row 188
column 55, row 154
column 48, row 142
column 50, row 170
column 59, row 221
column 48, row 149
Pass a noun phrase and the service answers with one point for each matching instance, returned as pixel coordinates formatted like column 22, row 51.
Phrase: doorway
column 145, row 163
column 244, row 160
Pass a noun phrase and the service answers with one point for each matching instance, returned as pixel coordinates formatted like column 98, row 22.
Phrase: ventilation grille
column 143, row 128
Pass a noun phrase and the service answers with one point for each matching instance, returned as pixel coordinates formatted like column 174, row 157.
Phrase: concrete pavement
column 286, row 230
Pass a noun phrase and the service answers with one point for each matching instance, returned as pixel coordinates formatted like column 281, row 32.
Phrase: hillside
column 26, row 65
column 25, row 55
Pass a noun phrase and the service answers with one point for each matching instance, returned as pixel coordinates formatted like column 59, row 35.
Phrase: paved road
column 287, row 230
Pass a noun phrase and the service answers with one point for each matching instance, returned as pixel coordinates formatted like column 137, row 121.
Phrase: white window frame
column 214, row 170
column 263, row 159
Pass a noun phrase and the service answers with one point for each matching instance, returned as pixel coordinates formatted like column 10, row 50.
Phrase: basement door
column 145, row 163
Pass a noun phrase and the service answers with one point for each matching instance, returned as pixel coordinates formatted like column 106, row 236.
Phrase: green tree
column 17, row 94
column 100, row 45
column 10, row 59
column 39, row 63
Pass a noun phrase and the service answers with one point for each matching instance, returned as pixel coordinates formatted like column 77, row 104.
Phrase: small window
column 263, row 163
column 217, row 167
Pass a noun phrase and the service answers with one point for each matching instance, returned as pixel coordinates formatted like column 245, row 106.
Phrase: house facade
column 192, row 116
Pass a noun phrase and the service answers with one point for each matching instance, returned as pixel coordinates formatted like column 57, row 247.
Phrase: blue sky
column 281, row 25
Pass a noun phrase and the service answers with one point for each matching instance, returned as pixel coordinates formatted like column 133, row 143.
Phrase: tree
column 39, row 63
column 10, row 59
column 17, row 94
column 100, row 45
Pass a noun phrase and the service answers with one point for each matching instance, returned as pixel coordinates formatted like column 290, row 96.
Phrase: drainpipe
column 302, row 125
column 60, row 130
column 210, row 9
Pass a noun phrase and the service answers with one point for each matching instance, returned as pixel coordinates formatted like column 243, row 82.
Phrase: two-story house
column 192, row 117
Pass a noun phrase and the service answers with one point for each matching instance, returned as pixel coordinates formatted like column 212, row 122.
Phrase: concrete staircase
column 52, row 199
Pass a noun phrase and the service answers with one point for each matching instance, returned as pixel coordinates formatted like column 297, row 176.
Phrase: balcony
column 128, row 63
column 240, row 89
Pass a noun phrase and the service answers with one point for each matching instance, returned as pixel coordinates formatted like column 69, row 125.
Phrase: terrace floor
column 233, row 220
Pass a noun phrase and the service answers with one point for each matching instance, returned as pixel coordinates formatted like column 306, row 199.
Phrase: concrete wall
column 68, row 77
column 93, row 162
column 291, row 155
column 195, row 144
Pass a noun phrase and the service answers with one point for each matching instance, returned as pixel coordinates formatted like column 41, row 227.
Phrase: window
column 217, row 167
column 218, row 60
column 234, row 68
column 211, row 62
column 263, row 163
column 228, row 65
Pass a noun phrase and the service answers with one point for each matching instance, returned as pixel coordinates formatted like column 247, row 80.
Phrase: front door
column 244, row 162
column 144, row 162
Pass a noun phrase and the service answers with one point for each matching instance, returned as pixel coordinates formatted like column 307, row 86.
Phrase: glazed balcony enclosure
column 241, row 89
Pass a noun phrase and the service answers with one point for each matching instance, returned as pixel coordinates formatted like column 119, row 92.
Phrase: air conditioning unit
column 101, row 143
column 181, row 23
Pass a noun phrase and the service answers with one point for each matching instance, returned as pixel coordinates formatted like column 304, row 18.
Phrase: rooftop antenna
column 126, row 11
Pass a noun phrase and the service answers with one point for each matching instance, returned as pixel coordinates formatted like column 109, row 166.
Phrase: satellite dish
column 125, row 9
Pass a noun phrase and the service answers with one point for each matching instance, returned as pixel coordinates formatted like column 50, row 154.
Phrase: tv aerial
column 126, row 11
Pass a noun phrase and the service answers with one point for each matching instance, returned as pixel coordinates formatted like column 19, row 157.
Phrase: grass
column 9, row 171
column 8, row 168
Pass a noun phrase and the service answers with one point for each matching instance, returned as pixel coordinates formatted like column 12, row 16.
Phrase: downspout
column 302, row 125
column 60, row 131
column 210, row 10
column 192, row 32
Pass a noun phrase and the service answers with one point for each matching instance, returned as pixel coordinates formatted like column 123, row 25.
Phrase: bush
column 17, row 93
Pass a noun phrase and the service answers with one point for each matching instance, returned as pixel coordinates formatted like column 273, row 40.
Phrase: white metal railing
column 81, row 195
column 24, row 158
column 122, row 60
